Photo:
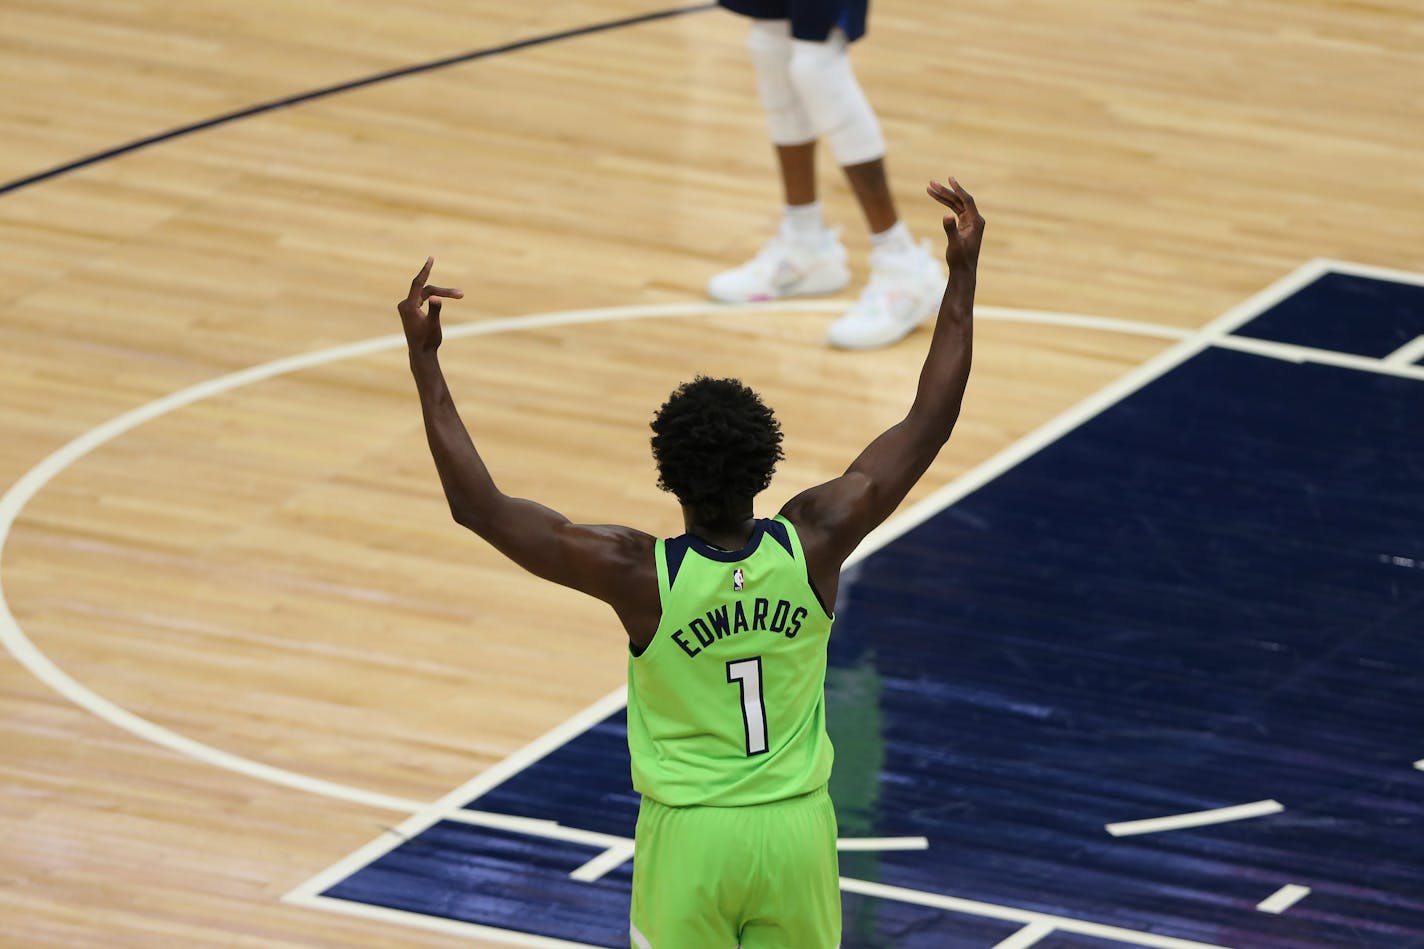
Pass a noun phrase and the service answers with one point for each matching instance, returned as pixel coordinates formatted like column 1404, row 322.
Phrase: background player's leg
column 802, row 222
column 805, row 257
column 798, row 173
column 872, row 192
column 906, row 280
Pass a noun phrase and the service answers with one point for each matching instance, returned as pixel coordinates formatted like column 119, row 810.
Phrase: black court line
column 322, row 93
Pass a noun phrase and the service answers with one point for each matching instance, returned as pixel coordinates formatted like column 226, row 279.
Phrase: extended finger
column 964, row 196
column 938, row 191
column 454, row 293
column 421, row 277
column 946, row 197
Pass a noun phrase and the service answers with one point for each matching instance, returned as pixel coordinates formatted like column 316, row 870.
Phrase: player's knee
column 786, row 117
column 826, row 85
column 770, row 37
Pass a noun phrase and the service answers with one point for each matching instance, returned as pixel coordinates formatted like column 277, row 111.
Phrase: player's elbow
column 471, row 516
column 466, row 517
column 472, row 506
column 495, row 518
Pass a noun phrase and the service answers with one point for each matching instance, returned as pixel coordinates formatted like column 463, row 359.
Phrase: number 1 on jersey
column 747, row 672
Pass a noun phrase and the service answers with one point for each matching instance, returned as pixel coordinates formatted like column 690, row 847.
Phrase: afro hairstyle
column 716, row 445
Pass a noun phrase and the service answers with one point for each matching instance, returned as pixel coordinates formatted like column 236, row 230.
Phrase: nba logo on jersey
column 739, row 580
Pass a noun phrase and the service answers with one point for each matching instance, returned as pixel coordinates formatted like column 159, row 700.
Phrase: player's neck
column 728, row 533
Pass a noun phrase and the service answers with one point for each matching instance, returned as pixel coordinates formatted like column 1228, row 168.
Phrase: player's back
column 726, row 705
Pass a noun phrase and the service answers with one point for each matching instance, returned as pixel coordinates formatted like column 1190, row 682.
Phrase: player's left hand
column 964, row 229
column 422, row 329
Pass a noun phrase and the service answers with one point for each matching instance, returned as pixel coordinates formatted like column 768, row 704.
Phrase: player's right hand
column 422, row 329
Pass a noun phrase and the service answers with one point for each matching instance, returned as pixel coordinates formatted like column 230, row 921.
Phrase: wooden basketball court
column 262, row 638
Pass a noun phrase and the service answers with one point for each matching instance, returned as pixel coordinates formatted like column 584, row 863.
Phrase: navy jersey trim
column 777, row 532
column 677, row 548
column 676, row 551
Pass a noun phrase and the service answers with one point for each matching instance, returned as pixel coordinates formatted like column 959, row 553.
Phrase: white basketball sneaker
column 904, row 291
column 786, row 266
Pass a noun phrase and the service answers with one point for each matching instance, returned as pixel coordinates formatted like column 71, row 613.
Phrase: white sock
column 897, row 240
column 803, row 221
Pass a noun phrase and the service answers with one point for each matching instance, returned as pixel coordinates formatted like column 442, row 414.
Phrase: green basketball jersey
column 726, row 705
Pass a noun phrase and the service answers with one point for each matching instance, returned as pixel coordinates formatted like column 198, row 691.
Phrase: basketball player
column 800, row 50
column 727, row 625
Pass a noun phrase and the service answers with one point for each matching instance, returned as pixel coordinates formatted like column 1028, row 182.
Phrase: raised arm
column 834, row 517
column 614, row 564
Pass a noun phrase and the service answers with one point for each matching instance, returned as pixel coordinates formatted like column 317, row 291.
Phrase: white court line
column 1028, row 936
column 1219, row 815
column 861, row 844
column 994, row 911
column 606, row 862
column 1040, row 924
column 1324, row 265
column 534, row 827
column 1037, row 923
column 1290, row 352
column 1284, row 898
column 1367, row 270
column 620, row 849
column 450, row 806
column 1408, row 354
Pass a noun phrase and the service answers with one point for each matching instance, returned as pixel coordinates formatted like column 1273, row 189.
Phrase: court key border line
column 1283, row 899
column 15, row 641
column 1217, row 815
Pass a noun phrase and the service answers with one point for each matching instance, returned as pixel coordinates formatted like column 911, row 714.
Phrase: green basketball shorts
column 764, row 876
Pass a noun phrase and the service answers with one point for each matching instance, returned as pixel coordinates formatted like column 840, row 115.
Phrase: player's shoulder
column 807, row 514
column 823, row 506
column 824, row 518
